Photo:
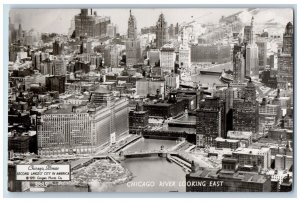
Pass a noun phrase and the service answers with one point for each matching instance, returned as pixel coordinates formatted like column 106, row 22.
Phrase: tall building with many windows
column 133, row 46
column 245, row 111
column 161, row 31
column 285, row 59
column 167, row 58
column 90, row 25
column 185, row 57
column 210, row 122
column 252, row 54
column 239, row 68
column 82, row 129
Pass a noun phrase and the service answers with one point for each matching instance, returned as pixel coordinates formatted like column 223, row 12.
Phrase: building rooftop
column 250, row 151
column 225, row 140
column 102, row 90
column 214, row 173
column 239, row 134
column 67, row 109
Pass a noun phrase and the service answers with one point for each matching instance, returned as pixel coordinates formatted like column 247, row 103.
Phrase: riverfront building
column 253, row 157
column 138, row 119
column 210, row 122
column 228, row 179
column 82, row 129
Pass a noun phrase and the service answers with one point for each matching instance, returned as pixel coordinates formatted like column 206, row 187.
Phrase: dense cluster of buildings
column 78, row 94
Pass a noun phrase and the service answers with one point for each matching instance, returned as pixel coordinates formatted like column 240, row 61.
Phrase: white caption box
column 43, row 172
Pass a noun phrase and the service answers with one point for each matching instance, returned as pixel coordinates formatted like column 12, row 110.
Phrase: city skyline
column 59, row 20
column 131, row 101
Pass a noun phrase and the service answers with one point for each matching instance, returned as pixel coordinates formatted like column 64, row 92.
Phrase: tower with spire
column 133, row 48
column 288, row 39
column 251, row 54
column 132, row 28
column 285, row 59
column 162, row 36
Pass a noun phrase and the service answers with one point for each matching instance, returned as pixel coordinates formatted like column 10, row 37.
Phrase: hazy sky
column 59, row 20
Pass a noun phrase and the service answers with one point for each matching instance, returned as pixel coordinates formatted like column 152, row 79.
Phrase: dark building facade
column 58, row 47
column 90, row 25
column 210, row 120
column 245, row 111
column 138, row 120
column 56, row 83
column 285, row 59
column 161, row 32
column 173, row 107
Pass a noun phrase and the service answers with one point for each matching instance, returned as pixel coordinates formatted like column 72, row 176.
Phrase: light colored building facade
column 81, row 130
column 150, row 87
column 185, row 57
column 250, row 157
column 153, row 56
column 167, row 58
column 252, row 54
column 239, row 68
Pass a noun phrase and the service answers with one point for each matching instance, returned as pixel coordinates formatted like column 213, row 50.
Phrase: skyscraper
column 288, row 39
column 285, row 59
column 210, row 122
column 262, row 53
column 252, row 54
column 238, row 68
column 184, row 57
column 245, row 111
column 161, row 32
column 90, row 25
column 132, row 30
column 133, row 48
column 58, row 47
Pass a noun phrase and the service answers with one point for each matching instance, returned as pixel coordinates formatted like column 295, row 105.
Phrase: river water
column 152, row 174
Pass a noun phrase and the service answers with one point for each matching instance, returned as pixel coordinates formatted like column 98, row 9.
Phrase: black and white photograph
column 150, row 99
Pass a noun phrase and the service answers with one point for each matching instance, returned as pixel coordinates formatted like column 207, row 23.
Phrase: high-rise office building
column 245, row 111
column 210, row 120
column 90, row 25
column 262, row 53
column 58, row 47
column 167, row 58
column 133, row 47
column 161, row 32
column 252, row 54
column 285, row 59
column 239, row 68
column 288, row 35
column 185, row 57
